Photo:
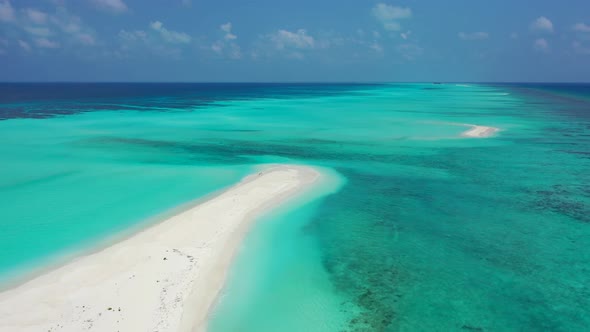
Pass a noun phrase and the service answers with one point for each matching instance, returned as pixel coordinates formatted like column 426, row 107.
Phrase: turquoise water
column 417, row 229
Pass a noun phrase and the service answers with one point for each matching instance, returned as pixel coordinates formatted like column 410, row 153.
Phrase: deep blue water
column 39, row 100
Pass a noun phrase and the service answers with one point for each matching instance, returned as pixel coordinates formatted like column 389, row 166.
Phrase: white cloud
column 156, row 40
column 389, row 15
column 296, row 40
column 581, row 27
column 293, row 44
column 542, row 24
column 187, row 3
column 72, row 28
column 514, row 35
column 46, row 30
column 473, row 35
column 46, row 43
column 6, row 11
column 230, row 50
column 226, row 27
column 227, row 47
column 541, row 44
column 113, row 6
column 228, row 33
column 136, row 35
column 170, row 36
column 36, row 16
column 157, row 25
column 24, row 45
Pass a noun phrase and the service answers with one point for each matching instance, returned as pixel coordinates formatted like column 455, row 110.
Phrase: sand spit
column 164, row 278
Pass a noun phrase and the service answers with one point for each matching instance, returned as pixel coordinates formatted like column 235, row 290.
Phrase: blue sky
column 305, row 40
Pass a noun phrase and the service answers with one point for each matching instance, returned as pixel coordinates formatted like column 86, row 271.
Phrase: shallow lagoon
column 427, row 231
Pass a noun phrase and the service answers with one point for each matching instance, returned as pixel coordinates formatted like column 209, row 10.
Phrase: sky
column 295, row 41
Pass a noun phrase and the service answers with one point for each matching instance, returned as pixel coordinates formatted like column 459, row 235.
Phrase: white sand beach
column 164, row 278
column 479, row 131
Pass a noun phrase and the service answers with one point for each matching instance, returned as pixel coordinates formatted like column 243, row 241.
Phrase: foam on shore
column 165, row 278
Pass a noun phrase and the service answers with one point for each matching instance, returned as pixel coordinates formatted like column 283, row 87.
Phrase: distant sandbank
column 165, row 278
column 479, row 131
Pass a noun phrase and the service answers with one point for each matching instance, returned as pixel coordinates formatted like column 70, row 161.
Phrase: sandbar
column 479, row 131
column 164, row 278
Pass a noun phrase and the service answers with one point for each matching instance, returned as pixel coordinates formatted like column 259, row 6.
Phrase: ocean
column 415, row 228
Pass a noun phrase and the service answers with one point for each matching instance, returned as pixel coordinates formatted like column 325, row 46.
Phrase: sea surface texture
column 415, row 228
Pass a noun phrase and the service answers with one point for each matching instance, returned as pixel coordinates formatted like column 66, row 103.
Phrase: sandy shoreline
column 164, row 278
column 479, row 131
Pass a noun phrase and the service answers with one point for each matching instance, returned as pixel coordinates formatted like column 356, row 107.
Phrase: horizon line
column 299, row 82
